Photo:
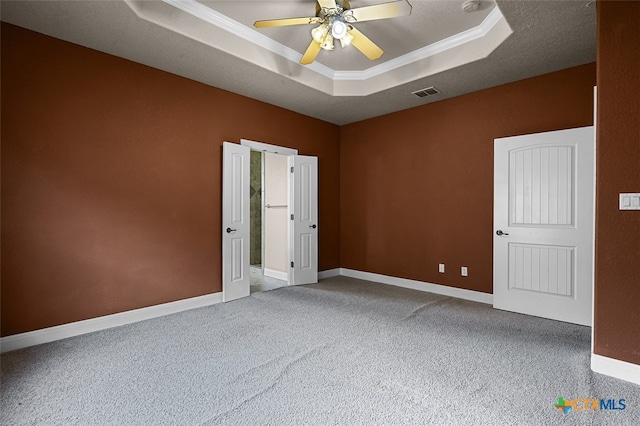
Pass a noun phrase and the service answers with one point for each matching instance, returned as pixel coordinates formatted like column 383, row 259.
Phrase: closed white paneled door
column 543, row 224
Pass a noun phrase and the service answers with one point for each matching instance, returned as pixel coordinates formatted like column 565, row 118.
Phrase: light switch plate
column 464, row 271
column 441, row 268
column 630, row 201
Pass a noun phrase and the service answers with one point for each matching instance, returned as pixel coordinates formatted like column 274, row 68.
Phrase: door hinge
column 291, row 217
column 292, row 264
column 292, row 169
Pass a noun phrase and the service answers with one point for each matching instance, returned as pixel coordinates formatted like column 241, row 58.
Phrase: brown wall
column 617, row 289
column 111, row 181
column 417, row 185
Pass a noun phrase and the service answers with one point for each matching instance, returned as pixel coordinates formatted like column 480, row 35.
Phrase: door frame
column 595, row 172
column 263, row 147
column 273, row 149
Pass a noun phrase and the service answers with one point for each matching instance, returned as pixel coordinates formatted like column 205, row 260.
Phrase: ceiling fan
column 336, row 19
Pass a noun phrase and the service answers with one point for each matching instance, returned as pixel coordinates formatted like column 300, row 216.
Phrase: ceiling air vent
column 423, row 93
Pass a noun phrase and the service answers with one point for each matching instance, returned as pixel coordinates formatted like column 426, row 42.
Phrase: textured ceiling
column 547, row 36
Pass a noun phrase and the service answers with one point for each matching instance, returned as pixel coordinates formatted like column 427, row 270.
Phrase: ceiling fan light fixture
column 319, row 33
column 327, row 43
column 346, row 40
column 338, row 29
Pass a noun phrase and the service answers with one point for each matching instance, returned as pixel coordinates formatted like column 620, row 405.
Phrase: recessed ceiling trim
column 212, row 28
column 234, row 27
column 425, row 52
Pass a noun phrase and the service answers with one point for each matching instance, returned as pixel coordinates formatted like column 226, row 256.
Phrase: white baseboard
column 50, row 334
column 615, row 368
column 328, row 273
column 444, row 290
column 279, row 275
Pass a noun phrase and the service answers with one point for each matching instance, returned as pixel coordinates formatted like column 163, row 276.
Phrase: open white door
column 235, row 221
column 303, row 212
column 543, row 224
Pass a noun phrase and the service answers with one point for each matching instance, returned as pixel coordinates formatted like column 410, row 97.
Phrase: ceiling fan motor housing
column 342, row 5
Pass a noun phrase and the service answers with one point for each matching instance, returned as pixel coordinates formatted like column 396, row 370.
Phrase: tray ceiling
column 413, row 47
column 437, row 45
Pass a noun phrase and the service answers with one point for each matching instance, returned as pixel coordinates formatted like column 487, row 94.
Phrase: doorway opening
column 268, row 237
column 301, row 212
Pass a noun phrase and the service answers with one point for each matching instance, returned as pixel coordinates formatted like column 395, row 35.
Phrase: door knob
column 500, row 233
column 229, row 230
column 313, row 226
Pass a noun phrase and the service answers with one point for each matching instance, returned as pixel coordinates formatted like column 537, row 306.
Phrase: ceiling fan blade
column 380, row 11
column 285, row 22
column 311, row 53
column 327, row 4
column 366, row 46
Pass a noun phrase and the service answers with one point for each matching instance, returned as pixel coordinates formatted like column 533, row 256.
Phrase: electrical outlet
column 441, row 268
column 464, row 271
column 630, row 201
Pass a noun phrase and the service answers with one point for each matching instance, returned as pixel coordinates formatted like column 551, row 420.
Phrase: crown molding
column 234, row 27
column 249, row 44
column 425, row 52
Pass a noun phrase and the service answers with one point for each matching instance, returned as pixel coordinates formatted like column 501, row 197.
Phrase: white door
column 303, row 212
column 235, row 221
column 543, row 224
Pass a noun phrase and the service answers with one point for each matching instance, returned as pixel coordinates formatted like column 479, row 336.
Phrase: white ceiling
column 515, row 40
